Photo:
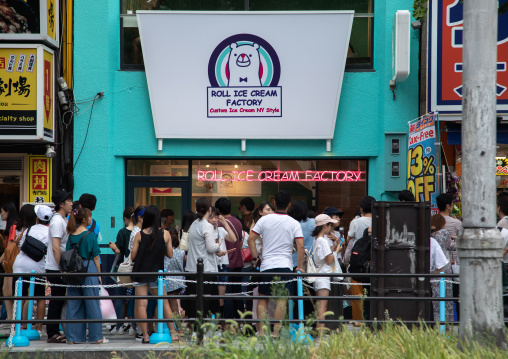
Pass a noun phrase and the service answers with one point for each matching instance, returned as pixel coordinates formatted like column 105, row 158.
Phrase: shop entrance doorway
column 167, row 195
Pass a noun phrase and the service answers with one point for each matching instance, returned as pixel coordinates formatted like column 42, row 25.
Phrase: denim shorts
column 266, row 289
column 151, row 285
column 222, row 268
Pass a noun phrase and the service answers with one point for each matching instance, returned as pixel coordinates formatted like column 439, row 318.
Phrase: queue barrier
column 18, row 339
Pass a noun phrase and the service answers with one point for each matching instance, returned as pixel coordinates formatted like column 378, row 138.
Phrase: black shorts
column 39, row 288
column 266, row 289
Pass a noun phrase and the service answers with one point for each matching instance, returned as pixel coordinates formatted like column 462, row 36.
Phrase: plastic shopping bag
column 107, row 307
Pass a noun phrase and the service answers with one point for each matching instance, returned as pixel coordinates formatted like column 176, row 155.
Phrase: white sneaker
column 132, row 331
column 43, row 334
column 116, row 331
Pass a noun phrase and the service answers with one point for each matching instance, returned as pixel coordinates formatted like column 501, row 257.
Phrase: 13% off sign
column 421, row 173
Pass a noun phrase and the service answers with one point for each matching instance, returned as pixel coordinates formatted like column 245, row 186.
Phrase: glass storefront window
column 262, row 179
column 360, row 45
column 166, row 168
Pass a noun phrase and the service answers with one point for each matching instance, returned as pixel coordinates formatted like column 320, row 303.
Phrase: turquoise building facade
column 121, row 128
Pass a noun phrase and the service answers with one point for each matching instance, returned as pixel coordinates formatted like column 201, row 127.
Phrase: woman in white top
column 202, row 245
column 25, row 263
column 323, row 258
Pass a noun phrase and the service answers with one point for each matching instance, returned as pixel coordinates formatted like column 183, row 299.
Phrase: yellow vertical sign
column 51, row 18
column 18, row 91
column 39, row 179
column 48, row 95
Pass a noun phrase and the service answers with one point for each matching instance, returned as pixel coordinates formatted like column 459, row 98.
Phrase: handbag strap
column 236, row 232
column 20, row 236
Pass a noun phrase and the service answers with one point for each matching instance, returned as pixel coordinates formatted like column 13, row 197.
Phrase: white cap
column 43, row 212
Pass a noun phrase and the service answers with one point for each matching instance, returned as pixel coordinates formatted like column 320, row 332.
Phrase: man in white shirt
column 58, row 240
column 279, row 232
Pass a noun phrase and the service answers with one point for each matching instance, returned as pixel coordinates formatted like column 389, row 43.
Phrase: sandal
column 57, row 339
column 143, row 341
column 175, row 337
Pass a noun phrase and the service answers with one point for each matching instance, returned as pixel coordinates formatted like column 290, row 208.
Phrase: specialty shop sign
column 445, row 57
column 36, row 20
column 39, row 179
column 242, row 75
column 422, row 160
column 26, row 92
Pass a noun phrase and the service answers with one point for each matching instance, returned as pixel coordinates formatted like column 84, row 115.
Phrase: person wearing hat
column 25, row 264
column 58, row 235
column 323, row 257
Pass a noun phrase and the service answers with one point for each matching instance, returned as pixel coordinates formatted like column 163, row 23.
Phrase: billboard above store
column 244, row 75
column 26, row 92
column 31, row 20
column 445, row 58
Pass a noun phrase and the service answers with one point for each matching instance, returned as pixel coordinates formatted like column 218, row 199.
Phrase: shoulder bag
column 71, row 262
column 33, row 248
column 184, row 241
column 125, row 267
column 309, row 264
column 11, row 252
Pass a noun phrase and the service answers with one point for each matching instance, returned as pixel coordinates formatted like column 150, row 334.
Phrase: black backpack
column 360, row 257
column 71, row 262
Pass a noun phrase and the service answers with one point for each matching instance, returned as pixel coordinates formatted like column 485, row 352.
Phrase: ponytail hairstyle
column 175, row 242
column 76, row 218
column 12, row 215
column 152, row 220
column 128, row 214
column 203, row 204
column 138, row 213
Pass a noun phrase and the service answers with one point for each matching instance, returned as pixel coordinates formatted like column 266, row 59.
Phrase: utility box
column 396, row 161
column 400, row 244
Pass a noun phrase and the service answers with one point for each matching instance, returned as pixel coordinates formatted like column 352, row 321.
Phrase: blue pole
column 301, row 336
column 160, row 336
column 19, row 340
column 442, row 316
column 31, row 334
column 165, row 327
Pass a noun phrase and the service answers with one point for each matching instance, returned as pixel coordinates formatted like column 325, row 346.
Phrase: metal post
column 19, row 340
column 200, row 303
column 160, row 336
column 31, row 334
column 442, row 313
column 481, row 311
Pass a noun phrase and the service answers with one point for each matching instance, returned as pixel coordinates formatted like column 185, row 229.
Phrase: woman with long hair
column 202, row 244
column 151, row 245
column 8, row 214
column 89, row 252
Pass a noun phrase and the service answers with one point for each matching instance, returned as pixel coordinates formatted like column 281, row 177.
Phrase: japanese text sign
column 445, row 56
column 39, row 179
column 26, row 92
column 422, row 160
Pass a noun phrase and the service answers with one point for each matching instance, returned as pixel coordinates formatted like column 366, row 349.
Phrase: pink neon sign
column 282, row 176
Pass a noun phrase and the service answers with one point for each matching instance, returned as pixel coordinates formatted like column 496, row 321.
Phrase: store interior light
column 236, row 166
column 207, row 165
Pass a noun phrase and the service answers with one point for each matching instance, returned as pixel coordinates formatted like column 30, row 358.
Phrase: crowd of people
column 279, row 237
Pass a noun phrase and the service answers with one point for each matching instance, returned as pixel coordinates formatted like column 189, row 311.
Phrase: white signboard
column 245, row 75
